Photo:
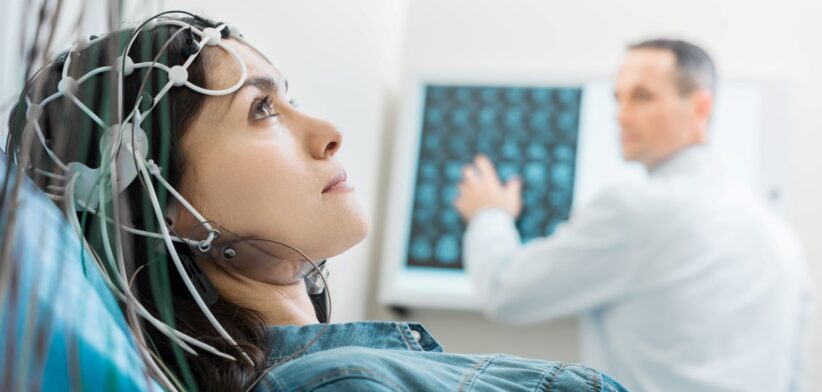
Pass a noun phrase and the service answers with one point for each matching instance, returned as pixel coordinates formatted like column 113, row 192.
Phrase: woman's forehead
column 223, row 70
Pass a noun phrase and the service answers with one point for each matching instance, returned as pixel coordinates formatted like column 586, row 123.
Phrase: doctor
column 686, row 282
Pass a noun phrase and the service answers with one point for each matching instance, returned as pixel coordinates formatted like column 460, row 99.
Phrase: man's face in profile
column 655, row 119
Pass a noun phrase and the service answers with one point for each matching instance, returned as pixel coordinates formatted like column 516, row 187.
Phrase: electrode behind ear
column 201, row 282
column 314, row 283
column 260, row 259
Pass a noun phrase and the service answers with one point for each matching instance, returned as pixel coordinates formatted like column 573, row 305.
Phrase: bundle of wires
column 115, row 129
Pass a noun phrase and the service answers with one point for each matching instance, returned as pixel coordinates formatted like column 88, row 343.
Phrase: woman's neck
column 278, row 304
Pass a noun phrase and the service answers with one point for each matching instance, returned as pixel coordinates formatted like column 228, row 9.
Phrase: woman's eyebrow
column 263, row 83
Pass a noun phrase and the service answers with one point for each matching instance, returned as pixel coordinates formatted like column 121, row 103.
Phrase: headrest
column 60, row 324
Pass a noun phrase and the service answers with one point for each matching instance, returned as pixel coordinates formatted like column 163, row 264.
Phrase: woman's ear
column 171, row 213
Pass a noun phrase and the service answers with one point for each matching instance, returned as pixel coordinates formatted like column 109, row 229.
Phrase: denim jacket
column 390, row 356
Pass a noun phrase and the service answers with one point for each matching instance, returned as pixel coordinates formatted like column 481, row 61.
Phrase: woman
column 182, row 135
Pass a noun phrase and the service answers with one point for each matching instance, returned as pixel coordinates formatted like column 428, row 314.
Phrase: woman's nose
column 324, row 139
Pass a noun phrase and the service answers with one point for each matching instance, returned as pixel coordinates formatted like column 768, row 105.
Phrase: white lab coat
column 686, row 282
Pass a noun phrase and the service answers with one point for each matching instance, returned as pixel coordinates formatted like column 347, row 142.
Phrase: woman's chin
column 352, row 234
column 358, row 226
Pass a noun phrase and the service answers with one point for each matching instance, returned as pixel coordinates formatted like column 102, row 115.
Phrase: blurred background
column 348, row 62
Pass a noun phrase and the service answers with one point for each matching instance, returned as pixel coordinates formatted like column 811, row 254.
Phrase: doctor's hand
column 481, row 188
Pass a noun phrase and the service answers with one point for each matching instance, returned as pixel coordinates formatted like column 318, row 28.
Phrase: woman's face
column 258, row 166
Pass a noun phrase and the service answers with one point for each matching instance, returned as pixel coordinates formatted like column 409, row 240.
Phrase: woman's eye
column 263, row 109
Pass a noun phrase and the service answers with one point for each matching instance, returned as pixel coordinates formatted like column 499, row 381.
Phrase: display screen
column 531, row 132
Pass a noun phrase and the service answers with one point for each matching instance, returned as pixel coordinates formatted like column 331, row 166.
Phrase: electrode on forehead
column 212, row 36
column 178, row 75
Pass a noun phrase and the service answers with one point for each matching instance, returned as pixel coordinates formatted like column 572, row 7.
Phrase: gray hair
column 694, row 66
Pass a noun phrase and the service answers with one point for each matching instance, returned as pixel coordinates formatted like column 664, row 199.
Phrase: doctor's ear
column 703, row 103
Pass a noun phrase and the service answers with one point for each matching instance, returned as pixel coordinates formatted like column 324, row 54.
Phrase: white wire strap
column 93, row 184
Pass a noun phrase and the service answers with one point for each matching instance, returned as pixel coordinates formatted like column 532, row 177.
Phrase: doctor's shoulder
column 630, row 198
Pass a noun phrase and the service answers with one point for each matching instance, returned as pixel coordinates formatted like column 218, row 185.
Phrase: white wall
column 770, row 41
column 345, row 61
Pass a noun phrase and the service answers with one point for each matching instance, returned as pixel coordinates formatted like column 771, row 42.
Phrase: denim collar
column 284, row 341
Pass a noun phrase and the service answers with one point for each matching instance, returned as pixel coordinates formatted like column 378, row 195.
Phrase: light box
column 560, row 136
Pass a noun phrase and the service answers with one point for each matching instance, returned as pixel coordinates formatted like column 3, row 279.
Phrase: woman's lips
column 339, row 184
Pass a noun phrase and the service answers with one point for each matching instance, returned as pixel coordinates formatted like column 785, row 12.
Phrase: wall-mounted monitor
column 559, row 136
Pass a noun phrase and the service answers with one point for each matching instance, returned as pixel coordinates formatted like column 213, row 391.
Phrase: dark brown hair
column 75, row 138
